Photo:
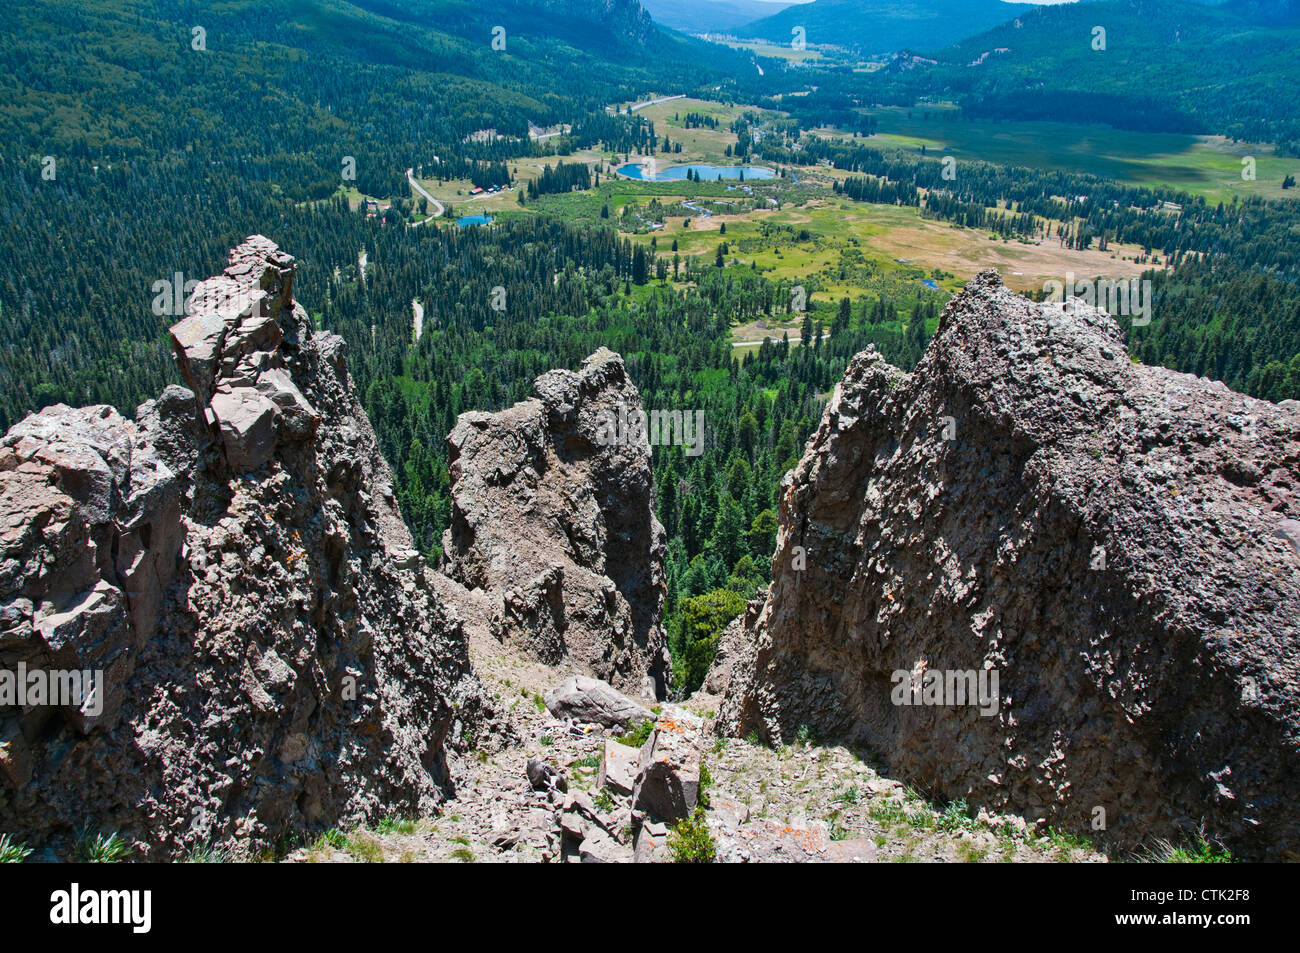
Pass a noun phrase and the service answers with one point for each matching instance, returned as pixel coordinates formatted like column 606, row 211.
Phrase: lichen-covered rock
column 1112, row 540
column 667, row 786
column 234, row 562
column 554, row 521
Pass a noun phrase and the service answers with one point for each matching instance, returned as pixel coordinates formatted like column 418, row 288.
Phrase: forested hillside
column 1155, row 65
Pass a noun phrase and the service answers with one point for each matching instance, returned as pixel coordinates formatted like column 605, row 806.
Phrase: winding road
column 410, row 177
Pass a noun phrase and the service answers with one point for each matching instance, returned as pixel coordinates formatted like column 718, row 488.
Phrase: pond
column 474, row 220
column 707, row 173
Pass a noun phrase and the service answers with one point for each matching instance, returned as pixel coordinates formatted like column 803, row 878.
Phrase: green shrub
column 690, row 841
column 956, row 816
column 702, row 620
column 638, row 735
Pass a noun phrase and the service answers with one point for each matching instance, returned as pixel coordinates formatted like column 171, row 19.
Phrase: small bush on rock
column 690, row 842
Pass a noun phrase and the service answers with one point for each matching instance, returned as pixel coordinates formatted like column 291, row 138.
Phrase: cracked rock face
column 1116, row 542
column 553, row 520
column 234, row 562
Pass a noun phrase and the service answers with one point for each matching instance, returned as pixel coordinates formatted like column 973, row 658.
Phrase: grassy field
column 455, row 193
column 698, row 145
column 1203, row 165
column 846, row 246
column 783, row 51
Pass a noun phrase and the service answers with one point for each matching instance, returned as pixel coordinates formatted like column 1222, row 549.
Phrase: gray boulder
column 593, row 702
column 619, row 765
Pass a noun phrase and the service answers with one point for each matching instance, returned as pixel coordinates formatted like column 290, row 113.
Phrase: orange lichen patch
column 670, row 726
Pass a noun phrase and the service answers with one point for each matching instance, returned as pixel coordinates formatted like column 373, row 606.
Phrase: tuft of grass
column 1201, row 852
column 365, row 849
column 638, row 735
column 333, row 837
column 464, row 855
column 396, row 825
column 205, row 854
column 691, row 842
column 1066, row 843
column 888, row 813
column 835, row 828
column 100, row 848
column 12, row 852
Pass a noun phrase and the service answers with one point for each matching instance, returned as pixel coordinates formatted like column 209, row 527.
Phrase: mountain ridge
column 884, row 26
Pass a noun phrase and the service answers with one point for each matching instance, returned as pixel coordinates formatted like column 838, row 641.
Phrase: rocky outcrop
column 232, row 560
column 552, row 518
column 1114, row 542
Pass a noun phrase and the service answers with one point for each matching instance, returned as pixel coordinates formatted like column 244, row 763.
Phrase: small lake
column 930, row 283
column 707, row 173
column 468, row 220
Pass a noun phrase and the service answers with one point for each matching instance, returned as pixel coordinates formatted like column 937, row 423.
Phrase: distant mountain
column 1280, row 12
column 1168, row 66
column 708, row 16
column 885, row 26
